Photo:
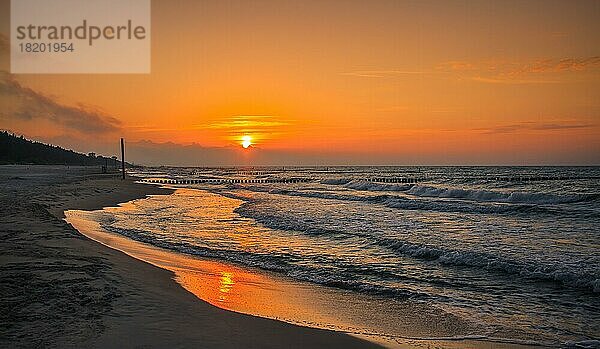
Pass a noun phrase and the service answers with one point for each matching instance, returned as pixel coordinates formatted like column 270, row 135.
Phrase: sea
column 506, row 247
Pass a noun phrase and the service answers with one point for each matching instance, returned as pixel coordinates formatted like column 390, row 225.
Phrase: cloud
column 383, row 73
column 260, row 127
column 521, row 72
column 557, row 66
column 513, row 81
column 534, row 126
column 172, row 154
column 24, row 104
column 524, row 67
column 497, row 71
column 456, row 66
column 396, row 108
column 247, row 121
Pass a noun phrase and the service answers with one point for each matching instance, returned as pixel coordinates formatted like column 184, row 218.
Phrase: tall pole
column 123, row 157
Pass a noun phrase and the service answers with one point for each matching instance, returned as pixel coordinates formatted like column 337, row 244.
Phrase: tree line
column 19, row 150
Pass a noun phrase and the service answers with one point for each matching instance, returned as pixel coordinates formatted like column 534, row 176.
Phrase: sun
column 246, row 141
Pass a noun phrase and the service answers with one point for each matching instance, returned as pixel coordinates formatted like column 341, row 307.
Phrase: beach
column 68, row 281
column 63, row 290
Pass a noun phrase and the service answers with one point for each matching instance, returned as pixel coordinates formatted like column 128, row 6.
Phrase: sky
column 334, row 83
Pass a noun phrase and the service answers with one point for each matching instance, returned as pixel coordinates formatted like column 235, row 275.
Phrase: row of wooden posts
column 227, row 180
column 538, row 178
column 265, row 180
column 375, row 180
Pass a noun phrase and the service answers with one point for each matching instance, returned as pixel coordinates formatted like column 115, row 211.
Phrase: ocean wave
column 344, row 275
column 373, row 186
column 289, row 223
column 357, row 184
column 585, row 344
column 527, row 269
column 404, row 203
column 336, row 181
column 332, row 195
column 414, row 203
column 544, row 272
column 495, row 196
column 282, row 263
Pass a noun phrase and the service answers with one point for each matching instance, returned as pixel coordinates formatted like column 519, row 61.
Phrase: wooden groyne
column 393, row 180
column 226, row 180
column 525, row 178
column 269, row 180
column 542, row 178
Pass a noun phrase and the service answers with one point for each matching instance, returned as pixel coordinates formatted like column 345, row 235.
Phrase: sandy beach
column 63, row 290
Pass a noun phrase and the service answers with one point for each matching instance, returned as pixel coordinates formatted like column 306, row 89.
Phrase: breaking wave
column 406, row 202
column 560, row 274
column 554, row 273
column 281, row 263
column 494, row 196
column 372, row 186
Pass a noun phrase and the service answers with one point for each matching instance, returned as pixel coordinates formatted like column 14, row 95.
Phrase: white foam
column 494, row 196
column 587, row 344
column 372, row 186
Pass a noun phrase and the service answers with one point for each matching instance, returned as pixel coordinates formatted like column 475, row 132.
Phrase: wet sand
column 62, row 290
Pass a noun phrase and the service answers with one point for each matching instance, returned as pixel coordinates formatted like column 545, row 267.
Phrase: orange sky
column 387, row 82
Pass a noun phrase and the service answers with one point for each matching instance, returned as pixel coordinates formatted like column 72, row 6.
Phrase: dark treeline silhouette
column 19, row 150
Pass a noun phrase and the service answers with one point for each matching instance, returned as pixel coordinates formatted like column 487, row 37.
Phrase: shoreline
column 65, row 290
column 264, row 294
column 231, row 287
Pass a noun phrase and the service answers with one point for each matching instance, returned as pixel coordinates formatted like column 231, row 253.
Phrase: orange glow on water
column 217, row 283
column 226, row 284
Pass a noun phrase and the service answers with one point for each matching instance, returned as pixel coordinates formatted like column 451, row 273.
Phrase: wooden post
column 123, row 157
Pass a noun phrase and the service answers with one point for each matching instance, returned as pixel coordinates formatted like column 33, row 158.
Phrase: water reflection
column 225, row 285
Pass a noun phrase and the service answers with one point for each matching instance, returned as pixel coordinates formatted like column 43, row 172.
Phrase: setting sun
column 246, row 141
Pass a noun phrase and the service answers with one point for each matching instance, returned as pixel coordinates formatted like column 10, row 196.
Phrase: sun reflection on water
column 225, row 285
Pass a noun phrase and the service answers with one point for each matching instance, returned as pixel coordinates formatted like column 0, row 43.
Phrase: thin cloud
column 232, row 126
column 456, row 66
column 524, row 67
column 534, row 126
column 383, row 73
column 504, row 80
column 559, row 34
column 151, row 128
column 259, row 127
column 498, row 71
column 247, row 121
column 557, row 66
column 399, row 108
column 521, row 72
column 560, row 126
column 25, row 104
